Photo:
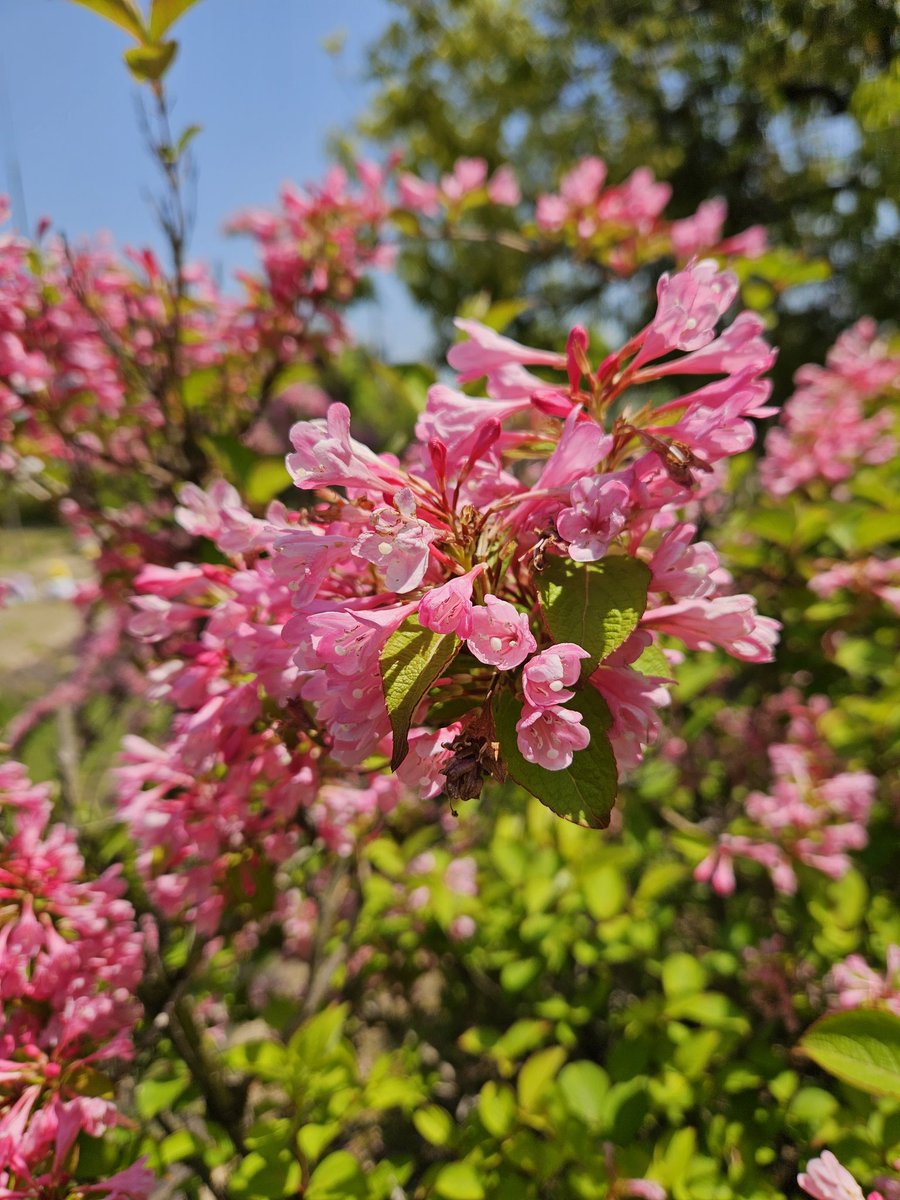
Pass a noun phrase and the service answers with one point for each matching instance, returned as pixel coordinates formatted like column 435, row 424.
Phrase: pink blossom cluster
column 826, row 1179
column 241, row 782
column 316, row 249
column 271, row 658
column 828, row 428
column 494, row 484
column 467, row 181
column 812, row 814
column 855, row 984
column 622, row 225
column 70, row 961
column 626, row 221
column 867, row 577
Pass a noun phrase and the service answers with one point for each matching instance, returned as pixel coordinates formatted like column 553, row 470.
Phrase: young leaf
column 411, row 661
column 585, row 791
column 164, row 14
column 124, row 13
column 148, row 64
column 596, row 605
column 861, row 1047
column 186, row 138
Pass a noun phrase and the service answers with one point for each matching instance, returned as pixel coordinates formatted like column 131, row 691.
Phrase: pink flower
column 684, row 568
column 635, row 704
column 499, row 634
column 731, row 622
column 596, row 517
column 457, row 420
column 468, row 175
column 548, row 677
column 417, row 194
column 503, row 187
column 825, row 1179
column 856, row 984
column 325, row 455
column 398, row 544
column 487, row 350
column 448, row 608
column 581, row 185
column 550, row 736
column 701, row 231
column 582, row 444
column 690, row 304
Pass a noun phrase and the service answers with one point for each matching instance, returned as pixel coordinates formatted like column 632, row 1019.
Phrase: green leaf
column 583, row 1086
column 315, row 1040
column 337, row 1177
column 185, row 139
column 497, row 1108
column 536, row 1075
column 585, row 791
column 313, row 1138
column 518, row 974
column 604, row 891
column 434, row 1123
column 861, row 1047
column 164, row 14
column 596, row 605
column 153, row 1095
column 682, row 975
column 458, row 1181
column 124, row 13
column 652, row 661
column 148, row 64
column 876, row 529
column 411, row 661
column 265, row 480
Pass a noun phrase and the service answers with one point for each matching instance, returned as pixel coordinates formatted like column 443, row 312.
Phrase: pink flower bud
column 448, row 608
column 549, row 676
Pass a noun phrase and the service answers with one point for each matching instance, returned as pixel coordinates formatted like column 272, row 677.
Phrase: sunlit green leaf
column 596, row 605
column 411, row 661
column 164, row 14
column 861, row 1047
column 124, row 13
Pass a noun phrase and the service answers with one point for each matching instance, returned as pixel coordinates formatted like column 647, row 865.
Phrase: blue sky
column 253, row 73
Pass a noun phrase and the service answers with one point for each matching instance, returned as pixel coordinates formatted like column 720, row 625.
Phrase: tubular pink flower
column 448, row 608
column 731, row 622
column 689, row 305
column 326, row 456
column 683, row 568
column 550, row 736
column 699, row 232
column 485, row 351
column 499, row 635
column 548, row 677
column 825, row 1179
column 596, row 516
column 398, row 543
column 503, row 187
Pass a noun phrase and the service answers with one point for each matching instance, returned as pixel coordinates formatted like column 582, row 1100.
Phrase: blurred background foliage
column 787, row 108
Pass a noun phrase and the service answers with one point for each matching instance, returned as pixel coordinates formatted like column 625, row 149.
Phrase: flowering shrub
column 316, row 971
